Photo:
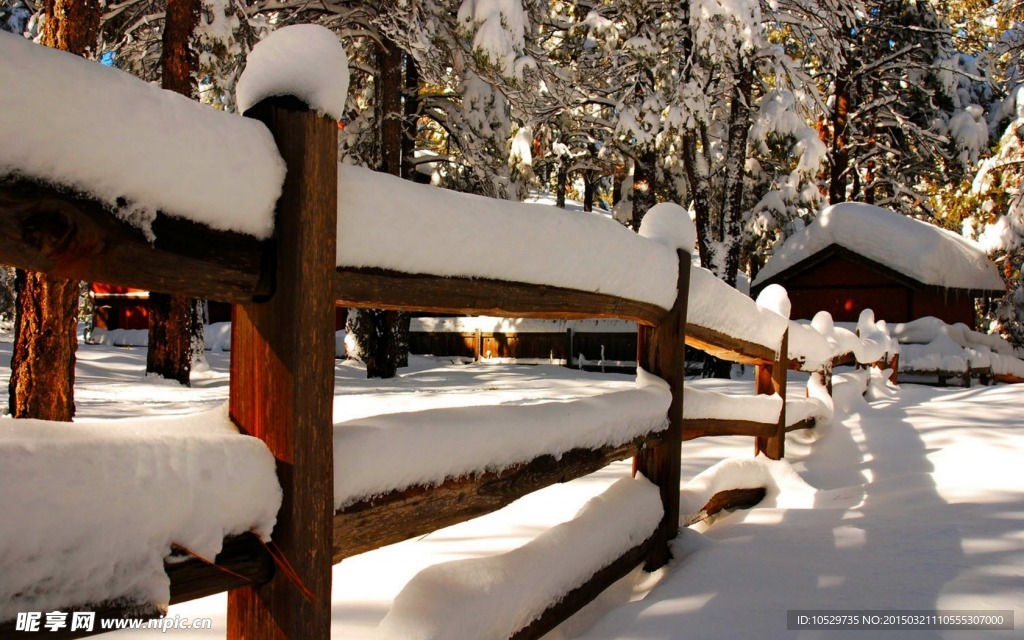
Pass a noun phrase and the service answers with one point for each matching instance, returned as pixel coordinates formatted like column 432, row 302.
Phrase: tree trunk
column 42, row 383
column 841, row 136
column 72, row 26
column 170, row 337
column 411, row 111
column 43, row 359
column 700, row 190
column 644, row 185
column 173, row 326
column 563, row 183
column 382, row 337
column 589, row 189
column 736, row 149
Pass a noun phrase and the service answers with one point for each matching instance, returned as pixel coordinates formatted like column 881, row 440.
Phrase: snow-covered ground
column 910, row 500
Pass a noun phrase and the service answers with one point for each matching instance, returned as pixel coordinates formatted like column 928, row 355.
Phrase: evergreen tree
column 45, row 329
column 173, row 324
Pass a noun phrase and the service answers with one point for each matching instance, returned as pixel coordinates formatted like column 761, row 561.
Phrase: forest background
column 753, row 114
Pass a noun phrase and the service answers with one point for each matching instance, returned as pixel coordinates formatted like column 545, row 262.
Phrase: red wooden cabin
column 856, row 257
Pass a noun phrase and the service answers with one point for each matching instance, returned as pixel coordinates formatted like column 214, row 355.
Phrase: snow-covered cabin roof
column 921, row 251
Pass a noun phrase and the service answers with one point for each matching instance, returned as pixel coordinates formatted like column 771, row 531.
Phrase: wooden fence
column 281, row 386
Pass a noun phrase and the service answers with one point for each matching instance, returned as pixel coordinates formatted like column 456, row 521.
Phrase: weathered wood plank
column 768, row 379
column 727, row 500
column 1008, row 378
column 707, row 427
column 70, row 236
column 661, row 351
column 384, row 289
column 405, row 514
column 726, row 347
column 806, row 423
column 282, row 380
column 586, row 593
column 242, row 561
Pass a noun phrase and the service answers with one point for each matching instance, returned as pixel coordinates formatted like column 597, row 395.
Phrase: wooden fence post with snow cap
column 661, row 351
column 282, row 368
column 770, row 379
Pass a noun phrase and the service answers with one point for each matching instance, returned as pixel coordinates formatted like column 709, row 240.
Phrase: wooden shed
column 856, row 256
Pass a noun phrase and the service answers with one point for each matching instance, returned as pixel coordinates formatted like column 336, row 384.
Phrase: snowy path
column 915, row 501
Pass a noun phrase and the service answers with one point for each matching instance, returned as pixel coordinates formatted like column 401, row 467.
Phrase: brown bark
column 179, row 59
column 562, row 182
column 589, row 189
column 169, row 353
column 411, row 111
column 171, row 317
column 43, row 360
column 644, row 176
column 840, row 137
column 385, row 334
column 72, row 26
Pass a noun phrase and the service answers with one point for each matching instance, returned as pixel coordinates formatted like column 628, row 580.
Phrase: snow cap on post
column 775, row 298
column 669, row 224
column 305, row 61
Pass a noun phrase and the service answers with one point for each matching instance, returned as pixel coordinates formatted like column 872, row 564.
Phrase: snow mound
column 494, row 597
column 783, row 485
column 810, row 347
column 305, row 61
column 924, row 252
column 134, row 147
column 941, row 354
column 701, row 403
column 391, row 452
column 390, row 223
column 715, row 305
column 91, row 509
column 775, row 298
column 670, row 224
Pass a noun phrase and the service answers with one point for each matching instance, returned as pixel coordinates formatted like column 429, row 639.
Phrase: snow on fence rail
column 329, row 246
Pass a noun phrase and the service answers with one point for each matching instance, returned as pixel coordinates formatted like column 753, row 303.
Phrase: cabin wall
column 845, row 287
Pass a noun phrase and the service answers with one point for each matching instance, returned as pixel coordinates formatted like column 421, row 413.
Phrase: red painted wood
column 282, row 384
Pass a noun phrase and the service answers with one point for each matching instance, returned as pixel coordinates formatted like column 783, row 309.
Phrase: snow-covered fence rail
column 55, row 217
column 344, row 235
column 729, row 325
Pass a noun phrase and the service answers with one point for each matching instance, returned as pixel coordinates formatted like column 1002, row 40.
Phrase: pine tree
column 173, row 327
column 45, row 330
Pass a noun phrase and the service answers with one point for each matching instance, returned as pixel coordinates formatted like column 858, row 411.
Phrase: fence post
column 660, row 350
column 770, row 379
column 282, row 382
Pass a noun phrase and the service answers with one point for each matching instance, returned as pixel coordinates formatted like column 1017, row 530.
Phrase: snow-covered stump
column 769, row 379
column 282, row 379
column 661, row 351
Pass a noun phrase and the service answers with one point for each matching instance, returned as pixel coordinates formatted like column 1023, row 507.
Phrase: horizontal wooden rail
column 727, row 500
column 71, row 236
column 706, row 427
column 405, row 514
column 586, row 593
column 727, row 347
column 384, row 289
column 46, row 229
column 806, row 423
column 243, row 560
